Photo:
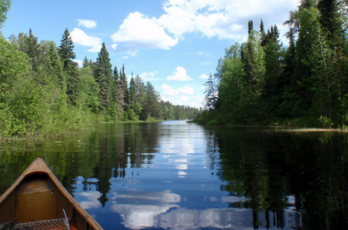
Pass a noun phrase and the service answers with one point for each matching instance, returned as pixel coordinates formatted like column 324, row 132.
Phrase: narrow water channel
column 178, row 175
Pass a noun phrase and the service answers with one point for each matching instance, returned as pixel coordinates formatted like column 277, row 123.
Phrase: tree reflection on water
column 187, row 176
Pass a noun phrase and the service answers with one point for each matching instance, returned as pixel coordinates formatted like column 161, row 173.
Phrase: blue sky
column 174, row 44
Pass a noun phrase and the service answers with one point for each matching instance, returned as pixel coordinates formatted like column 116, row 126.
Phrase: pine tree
column 103, row 76
column 66, row 52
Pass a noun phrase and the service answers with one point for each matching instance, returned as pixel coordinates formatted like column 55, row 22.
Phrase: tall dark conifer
column 132, row 94
column 120, row 90
column 85, row 62
column 250, row 26
column 103, row 76
column 262, row 33
column 123, row 78
column 66, row 53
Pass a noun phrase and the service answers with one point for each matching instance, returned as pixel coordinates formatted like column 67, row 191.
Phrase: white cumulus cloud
column 179, row 75
column 225, row 19
column 79, row 62
column 204, row 76
column 79, row 37
column 170, row 91
column 182, row 96
column 149, row 76
column 87, row 23
column 114, row 46
column 141, row 32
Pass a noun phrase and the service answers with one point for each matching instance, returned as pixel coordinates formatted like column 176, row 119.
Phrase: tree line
column 43, row 91
column 304, row 84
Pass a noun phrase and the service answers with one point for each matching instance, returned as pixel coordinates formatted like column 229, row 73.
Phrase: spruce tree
column 66, row 53
column 124, row 81
column 211, row 93
column 103, row 76
column 119, row 89
column 250, row 26
column 66, row 49
column 132, row 94
column 262, row 33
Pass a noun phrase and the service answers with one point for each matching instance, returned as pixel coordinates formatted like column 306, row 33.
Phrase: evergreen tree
column 66, row 52
column 250, row 26
column 85, row 62
column 120, row 90
column 271, row 92
column 211, row 93
column 66, row 49
column 123, row 79
column 132, row 94
column 262, row 34
column 103, row 76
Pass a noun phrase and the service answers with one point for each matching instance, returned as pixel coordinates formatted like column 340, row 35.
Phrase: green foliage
column 259, row 82
column 14, row 64
column 325, row 121
column 103, row 76
column 213, row 122
column 5, row 6
column 89, row 89
column 43, row 92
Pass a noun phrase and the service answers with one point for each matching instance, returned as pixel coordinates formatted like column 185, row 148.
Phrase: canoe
column 37, row 200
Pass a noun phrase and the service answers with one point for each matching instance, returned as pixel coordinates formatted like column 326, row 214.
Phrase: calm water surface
column 176, row 175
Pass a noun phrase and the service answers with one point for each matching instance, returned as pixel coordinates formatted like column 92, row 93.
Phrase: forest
column 44, row 92
column 302, row 84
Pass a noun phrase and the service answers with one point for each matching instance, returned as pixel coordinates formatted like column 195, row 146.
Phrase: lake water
column 178, row 175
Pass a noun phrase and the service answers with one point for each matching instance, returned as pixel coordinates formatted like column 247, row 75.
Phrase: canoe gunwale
column 37, row 167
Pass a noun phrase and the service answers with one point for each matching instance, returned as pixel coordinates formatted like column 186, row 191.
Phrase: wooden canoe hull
column 37, row 195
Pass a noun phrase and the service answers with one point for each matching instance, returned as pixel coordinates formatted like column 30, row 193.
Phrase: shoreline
column 285, row 128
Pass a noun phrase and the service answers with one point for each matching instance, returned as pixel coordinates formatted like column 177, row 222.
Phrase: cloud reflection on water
column 157, row 197
column 166, row 216
column 91, row 199
column 140, row 209
column 139, row 216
